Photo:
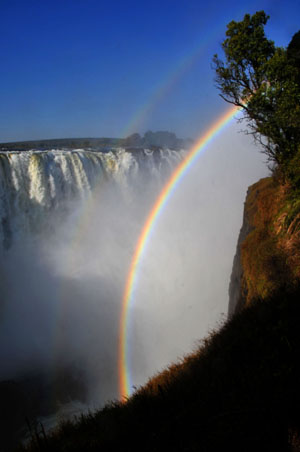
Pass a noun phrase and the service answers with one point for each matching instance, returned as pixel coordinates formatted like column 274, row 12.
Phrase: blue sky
column 87, row 68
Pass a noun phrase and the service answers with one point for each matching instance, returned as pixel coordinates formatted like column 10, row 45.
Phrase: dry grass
column 271, row 252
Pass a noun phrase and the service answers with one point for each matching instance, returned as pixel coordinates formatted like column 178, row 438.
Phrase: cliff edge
column 267, row 258
column 236, row 296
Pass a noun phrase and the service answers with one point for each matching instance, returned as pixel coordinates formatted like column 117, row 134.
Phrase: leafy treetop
column 264, row 81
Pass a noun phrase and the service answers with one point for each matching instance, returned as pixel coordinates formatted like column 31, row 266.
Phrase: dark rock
column 237, row 297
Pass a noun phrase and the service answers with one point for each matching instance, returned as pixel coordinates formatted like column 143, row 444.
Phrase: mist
column 62, row 290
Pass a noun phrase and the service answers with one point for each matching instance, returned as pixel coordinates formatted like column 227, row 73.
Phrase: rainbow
column 125, row 386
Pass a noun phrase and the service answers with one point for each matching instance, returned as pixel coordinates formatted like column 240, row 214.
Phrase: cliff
column 236, row 296
column 267, row 258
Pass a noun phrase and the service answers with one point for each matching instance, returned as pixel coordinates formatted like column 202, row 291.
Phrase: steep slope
column 236, row 296
column 268, row 252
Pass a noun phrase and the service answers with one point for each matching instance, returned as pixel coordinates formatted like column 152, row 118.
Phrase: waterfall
column 69, row 220
column 36, row 186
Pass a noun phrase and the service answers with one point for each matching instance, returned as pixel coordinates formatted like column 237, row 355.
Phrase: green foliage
column 291, row 169
column 293, row 51
column 247, row 51
column 264, row 81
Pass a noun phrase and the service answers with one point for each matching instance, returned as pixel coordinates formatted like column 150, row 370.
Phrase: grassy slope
column 240, row 390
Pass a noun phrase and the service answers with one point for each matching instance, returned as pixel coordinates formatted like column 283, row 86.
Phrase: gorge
column 240, row 387
column 70, row 219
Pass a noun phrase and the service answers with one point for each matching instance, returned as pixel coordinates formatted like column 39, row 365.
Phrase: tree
column 293, row 51
column 264, row 81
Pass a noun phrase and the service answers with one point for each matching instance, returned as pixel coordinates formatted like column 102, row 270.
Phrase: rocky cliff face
column 267, row 258
column 236, row 295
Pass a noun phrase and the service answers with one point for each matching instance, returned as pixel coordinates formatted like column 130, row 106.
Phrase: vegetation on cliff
column 271, row 252
column 264, row 81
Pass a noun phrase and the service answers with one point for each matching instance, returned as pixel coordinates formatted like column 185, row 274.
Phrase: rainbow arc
column 125, row 384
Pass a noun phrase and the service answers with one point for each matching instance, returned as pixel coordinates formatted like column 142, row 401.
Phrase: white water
column 38, row 187
column 68, row 225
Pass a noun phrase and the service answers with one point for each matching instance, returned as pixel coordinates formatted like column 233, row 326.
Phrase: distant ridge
column 57, row 143
column 150, row 139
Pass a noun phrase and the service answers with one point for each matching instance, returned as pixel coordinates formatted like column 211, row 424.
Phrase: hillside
column 239, row 390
